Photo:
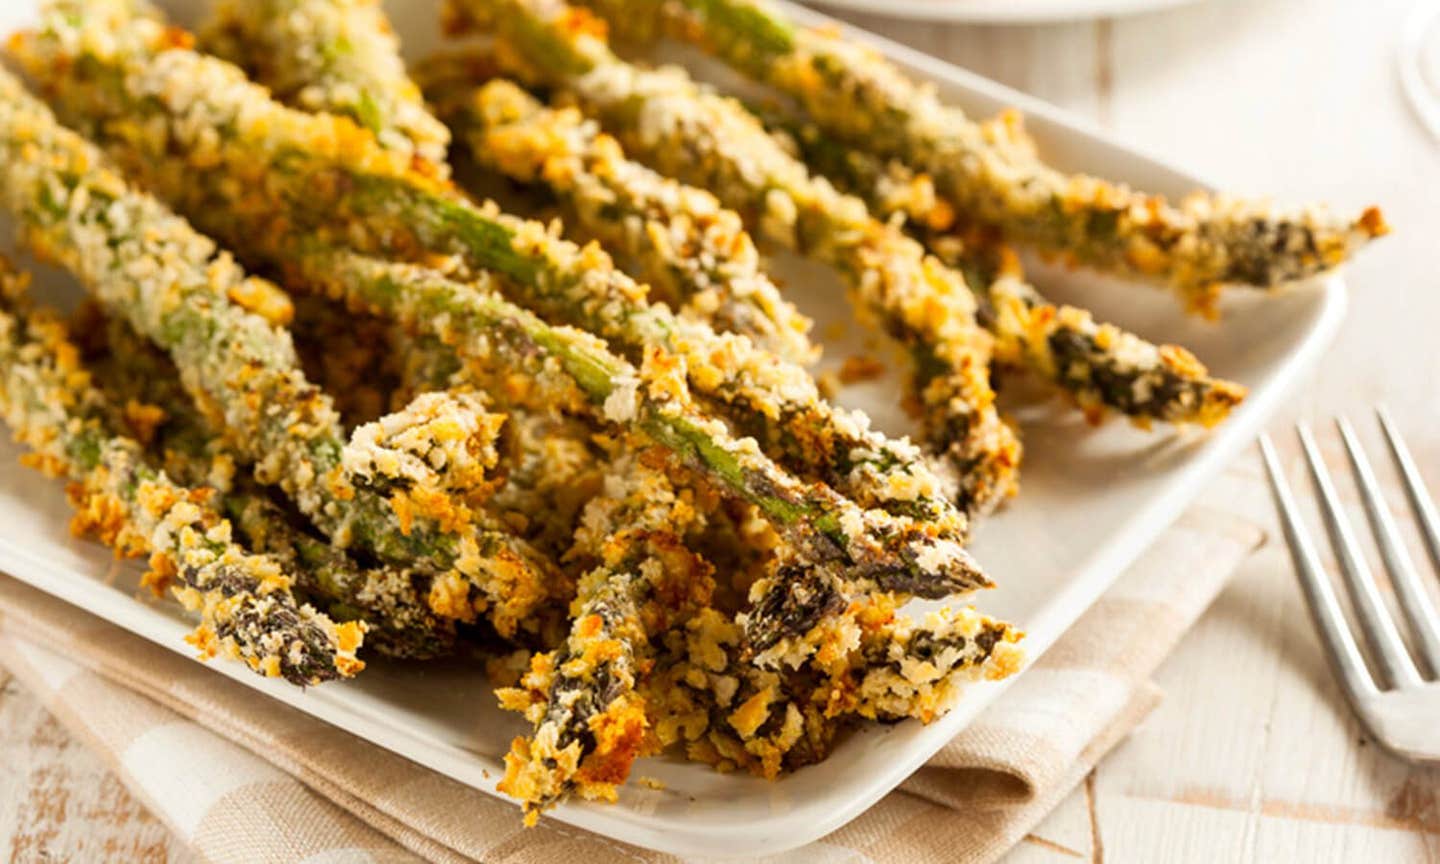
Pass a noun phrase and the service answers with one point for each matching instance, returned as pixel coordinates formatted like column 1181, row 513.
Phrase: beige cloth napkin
column 244, row 779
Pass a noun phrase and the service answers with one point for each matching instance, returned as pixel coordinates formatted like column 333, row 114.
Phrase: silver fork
column 1400, row 706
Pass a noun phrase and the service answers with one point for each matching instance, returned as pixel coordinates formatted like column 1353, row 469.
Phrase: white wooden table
column 1253, row 756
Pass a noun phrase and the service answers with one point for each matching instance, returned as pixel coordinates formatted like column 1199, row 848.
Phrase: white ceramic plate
column 1003, row 11
column 1092, row 500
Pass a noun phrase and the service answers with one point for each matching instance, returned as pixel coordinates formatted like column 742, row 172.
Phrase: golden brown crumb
column 861, row 367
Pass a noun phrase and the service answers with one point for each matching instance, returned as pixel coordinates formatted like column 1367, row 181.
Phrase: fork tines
column 1397, row 669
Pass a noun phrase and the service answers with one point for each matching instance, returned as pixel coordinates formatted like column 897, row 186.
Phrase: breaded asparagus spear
column 1100, row 365
column 548, row 456
column 146, row 264
column 548, row 464
column 858, row 96
column 147, row 98
column 339, row 56
column 732, row 715
column 904, row 668
column 148, row 402
column 686, row 131
column 589, row 717
column 892, row 552
column 388, row 598
column 589, row 724
column 791, row 608
column 342, row 57
column 567, row 366
column 681, row 238
column 391, row 600
column 435, row 455
column 869, row 662
column 246, row 608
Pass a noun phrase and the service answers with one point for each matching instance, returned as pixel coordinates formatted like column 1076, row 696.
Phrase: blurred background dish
column 1002, row 11
column 1420, row 63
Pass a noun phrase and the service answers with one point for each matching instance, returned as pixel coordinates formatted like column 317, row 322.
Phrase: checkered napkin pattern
column 242, row 778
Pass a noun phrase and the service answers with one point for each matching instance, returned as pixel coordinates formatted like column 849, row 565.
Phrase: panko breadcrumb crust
column 339, row 56
column 171, row 283
column 132, row 68
column 1100, row 365
column 857, row 95
column 590, row 721
column 665, row 119
column 692, row 251
column 138, row 380
column 244, row 602
column 631, row 498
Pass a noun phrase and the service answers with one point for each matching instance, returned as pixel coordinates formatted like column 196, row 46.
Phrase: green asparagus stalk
column 548, row 466
column 246, row 607
column 388, row 598
column 583, row 699
column 135, row 375
column 858, row 96
column 1100, row 365
column 686, row 131
column 339, row 56
column 893, row 552
column 870, row 662
column 573, row 367
column 147, row 99
column 146, row 264
column 682, row 239
column 342, row 57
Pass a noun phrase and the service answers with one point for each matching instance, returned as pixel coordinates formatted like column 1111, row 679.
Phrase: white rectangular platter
column 1092, row 499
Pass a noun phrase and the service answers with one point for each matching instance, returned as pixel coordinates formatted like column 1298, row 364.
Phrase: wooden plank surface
column 1253, row 756
column 58, row 802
